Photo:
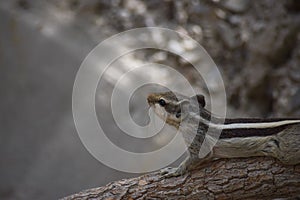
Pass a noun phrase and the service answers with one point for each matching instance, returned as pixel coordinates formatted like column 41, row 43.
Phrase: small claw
column 171, row 172
column 166, row 170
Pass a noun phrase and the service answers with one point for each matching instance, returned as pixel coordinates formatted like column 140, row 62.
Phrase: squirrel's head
column 173, row 107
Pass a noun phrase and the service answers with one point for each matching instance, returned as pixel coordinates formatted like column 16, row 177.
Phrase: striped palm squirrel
column 240, row 137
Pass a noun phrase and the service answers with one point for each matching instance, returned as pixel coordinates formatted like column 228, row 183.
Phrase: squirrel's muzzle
column 151, row 99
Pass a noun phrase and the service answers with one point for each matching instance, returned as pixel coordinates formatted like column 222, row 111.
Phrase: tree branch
column 251, row 178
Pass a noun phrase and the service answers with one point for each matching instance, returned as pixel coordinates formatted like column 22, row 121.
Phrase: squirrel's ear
column 201, row 100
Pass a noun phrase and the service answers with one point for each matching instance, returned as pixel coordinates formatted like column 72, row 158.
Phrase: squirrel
column 228, row 138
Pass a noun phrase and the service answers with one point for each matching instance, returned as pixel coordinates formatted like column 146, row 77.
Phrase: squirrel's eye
column 162, row 102
column 178, row 115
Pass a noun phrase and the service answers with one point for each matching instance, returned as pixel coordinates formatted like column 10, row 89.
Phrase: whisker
column 146, row 116
column 149, row 129
column 154, row 124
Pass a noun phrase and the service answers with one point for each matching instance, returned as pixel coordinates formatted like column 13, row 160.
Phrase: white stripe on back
column 246, row 125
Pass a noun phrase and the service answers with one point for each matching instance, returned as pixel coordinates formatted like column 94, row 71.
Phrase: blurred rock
column 24, row 4
column 189, row 44
column 294, row 73
column 295, row 101
column 276, row 41
column 191, row 56
column 229, row 36
column 293, row 5
column 176, row 47
column 237, row 6
column 293, row 64
column 159, row 56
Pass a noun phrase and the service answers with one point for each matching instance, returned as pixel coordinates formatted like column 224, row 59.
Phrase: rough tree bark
column 251, row 178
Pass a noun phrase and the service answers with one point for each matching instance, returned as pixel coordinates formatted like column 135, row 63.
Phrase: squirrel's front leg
column 188, row 164
column 177, row 171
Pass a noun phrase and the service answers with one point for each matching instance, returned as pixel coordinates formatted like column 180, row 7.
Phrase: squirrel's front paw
column 172, row 172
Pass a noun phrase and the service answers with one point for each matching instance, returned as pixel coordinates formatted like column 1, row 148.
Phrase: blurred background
column 255, row 44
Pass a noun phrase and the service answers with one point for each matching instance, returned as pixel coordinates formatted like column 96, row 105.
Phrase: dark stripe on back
column 256, row 120
column 251, row 132
column 246, row 132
